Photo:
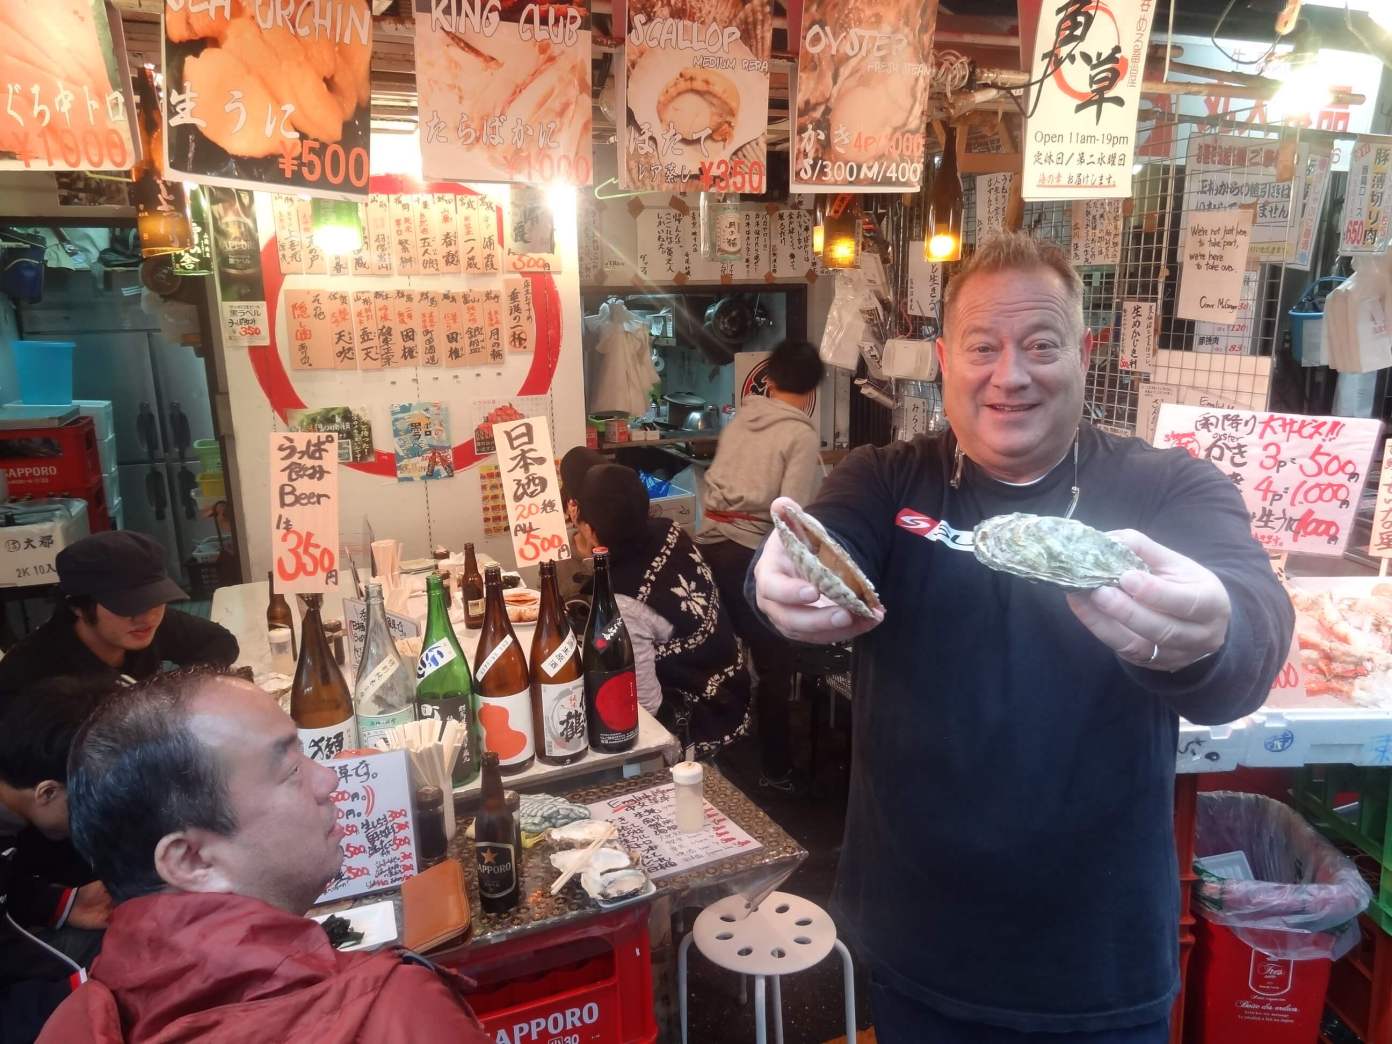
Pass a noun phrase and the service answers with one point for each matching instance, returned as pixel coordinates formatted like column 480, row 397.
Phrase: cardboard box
column 27, row 551
column 679, row 505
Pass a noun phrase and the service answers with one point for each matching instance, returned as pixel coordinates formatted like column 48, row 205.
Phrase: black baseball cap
column 122, row 571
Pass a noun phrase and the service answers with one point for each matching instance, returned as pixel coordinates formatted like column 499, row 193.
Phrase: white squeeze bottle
column 688, row 795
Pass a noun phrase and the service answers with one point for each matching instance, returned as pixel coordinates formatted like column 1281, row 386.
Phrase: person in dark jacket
column 190, row 795
column 691, row 670
column 1009, row 868
column 115, row 621
column 54, row 907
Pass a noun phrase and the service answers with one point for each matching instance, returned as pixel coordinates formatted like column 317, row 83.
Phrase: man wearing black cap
column 115, row 619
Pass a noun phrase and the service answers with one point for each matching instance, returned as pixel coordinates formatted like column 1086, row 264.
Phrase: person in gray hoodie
column 771, row 449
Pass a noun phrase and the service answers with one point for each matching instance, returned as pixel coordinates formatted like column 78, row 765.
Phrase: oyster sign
column 862, row 95
column 695, row 84
column 1080, row 134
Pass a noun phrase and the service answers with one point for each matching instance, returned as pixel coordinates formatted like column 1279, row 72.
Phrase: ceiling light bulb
column 943, row 247
column 818, row 238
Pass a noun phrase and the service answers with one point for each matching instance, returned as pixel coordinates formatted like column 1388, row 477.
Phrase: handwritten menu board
column 1380, row 545
column 1300, row 477
column 531, row 490
column 1224, row 171
column 1080, row 134
column 646, row 822
column 373, row 329
column 1149, row 399
column 1312, row 185
column 862, row 96
column 355, row 617
column 304, row 510
column 1096, row 238
column 373, row 805
column 273, row 101
column 479, row 242
column 531, row 232
column 1364, row 226
column 66, row 108
column 790, row 235
column 1137, row 336
column 525, row 116
column 695, row 85
column 668, row 248
column 1237, row 337
column 992, row 199
column 1215, row 258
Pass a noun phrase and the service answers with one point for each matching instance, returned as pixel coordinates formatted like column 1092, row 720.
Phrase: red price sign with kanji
column 531, row 491
column 1300, row 477
column 304, row 510
column 1380, row 546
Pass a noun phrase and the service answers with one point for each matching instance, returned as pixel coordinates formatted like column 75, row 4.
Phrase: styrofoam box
column 112, row 481
column 1323, row 735
column 679, row 505
column 1211, row 748
column 104, row 420
column 25, row 561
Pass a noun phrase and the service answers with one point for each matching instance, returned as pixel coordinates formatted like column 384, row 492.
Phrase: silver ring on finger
column 1154, row 654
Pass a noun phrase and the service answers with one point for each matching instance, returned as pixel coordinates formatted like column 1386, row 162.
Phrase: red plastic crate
column 1185, row 809
column 53, row 461
column 1360, row 985
column 584, row 984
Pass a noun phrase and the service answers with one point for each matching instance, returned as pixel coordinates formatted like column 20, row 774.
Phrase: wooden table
column 241, row 608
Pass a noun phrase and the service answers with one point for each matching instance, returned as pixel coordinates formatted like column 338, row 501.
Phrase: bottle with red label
column 611, row 680
column 504, row 683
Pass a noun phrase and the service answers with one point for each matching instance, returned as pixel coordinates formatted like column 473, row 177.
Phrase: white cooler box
column 42, row 528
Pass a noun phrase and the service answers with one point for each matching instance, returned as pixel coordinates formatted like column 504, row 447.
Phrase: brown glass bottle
column 495, row 845
column 278, row 612
column 471, row 590
column 504, row 689
column 320, row 701
column 611, row 679
column 558, row 683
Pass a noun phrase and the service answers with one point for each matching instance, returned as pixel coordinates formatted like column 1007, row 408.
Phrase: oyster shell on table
column 602, row 859
column 613, row 885
column 581, row 832
column 824, row 563
column 1060, row 551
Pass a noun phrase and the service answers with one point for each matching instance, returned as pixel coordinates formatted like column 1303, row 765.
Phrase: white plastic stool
column 785, row 934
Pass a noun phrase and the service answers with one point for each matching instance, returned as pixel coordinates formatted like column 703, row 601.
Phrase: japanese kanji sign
column 1080, row 135
column 862, row 96
column 1137, row 336
column 268, row 96
column 1215, row 258
column 1380, row 546
column 65, row 106
column 1096, row 232
column 1300, row 477
column 373, row 805
column 531, row 490
column 524, row 115
column 647, row 825
column 695, row 87
column 1363, row 228
column 304, row 510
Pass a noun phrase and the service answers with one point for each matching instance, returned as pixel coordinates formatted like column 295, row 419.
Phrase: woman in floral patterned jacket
column 691, row 670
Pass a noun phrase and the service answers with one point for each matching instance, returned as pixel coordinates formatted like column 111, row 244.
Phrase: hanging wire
column 1213, row 39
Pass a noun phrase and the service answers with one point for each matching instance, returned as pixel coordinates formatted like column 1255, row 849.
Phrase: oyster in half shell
column 1061, row 551
column 824, row 563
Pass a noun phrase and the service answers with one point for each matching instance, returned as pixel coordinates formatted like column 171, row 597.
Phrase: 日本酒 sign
column 531, row 490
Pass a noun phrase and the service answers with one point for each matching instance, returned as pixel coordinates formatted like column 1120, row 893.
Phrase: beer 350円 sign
column 862, row 95
column 304, row 510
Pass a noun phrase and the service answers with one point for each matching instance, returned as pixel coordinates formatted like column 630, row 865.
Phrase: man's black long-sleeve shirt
column 55, row 650
column 1009, row 851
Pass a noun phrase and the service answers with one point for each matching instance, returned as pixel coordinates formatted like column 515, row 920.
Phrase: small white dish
column 377, row 922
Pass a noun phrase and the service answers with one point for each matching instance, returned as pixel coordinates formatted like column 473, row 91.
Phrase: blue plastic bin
column 45, row 370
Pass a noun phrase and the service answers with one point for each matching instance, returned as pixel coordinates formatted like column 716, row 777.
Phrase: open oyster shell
column 824, row 563
column 1061, row 551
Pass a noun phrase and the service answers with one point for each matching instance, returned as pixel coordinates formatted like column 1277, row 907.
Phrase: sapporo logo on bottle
column 433, row 658
column 495, row 869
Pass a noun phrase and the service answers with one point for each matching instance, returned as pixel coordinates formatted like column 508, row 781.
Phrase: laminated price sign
column 1300, row 477
column 531, row 491
column 304, row 510
column 1380, row 546
column 373, row 805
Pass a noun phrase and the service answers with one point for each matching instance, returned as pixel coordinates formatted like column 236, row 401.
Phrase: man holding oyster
column 1036, row 603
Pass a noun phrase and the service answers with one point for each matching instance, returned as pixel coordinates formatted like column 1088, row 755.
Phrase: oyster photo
column 1060, row 551
column 699, row 100
column 824, row 563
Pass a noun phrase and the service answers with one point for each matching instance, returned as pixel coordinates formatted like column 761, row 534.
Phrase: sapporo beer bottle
column 495, row 844
column 444, row 684
column 320, row 701
column 471, row 590
column 611, row 682
column 500, row 673
column 384, row 693
column 557, row 681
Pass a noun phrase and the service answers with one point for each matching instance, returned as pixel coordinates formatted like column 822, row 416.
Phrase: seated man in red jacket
column 191, row 798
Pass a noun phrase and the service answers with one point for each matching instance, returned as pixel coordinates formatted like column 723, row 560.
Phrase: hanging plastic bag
column 846, row 326
column 1360, row 335
column 1307, row 896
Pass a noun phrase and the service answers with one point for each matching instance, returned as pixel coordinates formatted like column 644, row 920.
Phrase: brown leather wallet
column 435, row 907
